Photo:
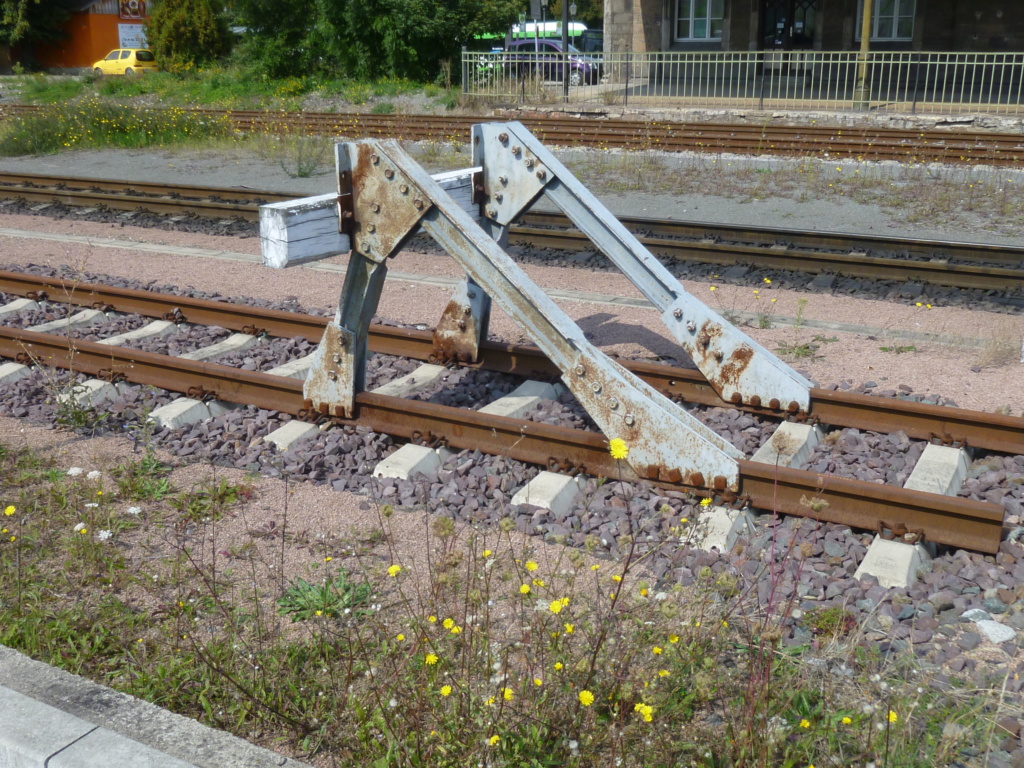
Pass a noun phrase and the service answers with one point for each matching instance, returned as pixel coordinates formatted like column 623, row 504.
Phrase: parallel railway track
column 950, row 520
column 867, row 143
column 960, row 265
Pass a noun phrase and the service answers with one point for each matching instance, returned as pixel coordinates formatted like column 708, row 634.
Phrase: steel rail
column 943, row 519
column 865, row 143
column 1000, row 279
column 922, row 421
column 776, row 236
column 127, row 202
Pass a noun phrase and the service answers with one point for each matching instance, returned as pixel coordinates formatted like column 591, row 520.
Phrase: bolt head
column 503, row 179
column 371, row 227
column 677, row 314
column 515, row 149
column 595, row 388
column 491, row 213
column 375, row 207
column 418, row 204
column 332, row 375
column 630, row 420
column 542, row 174
column 503, row 137
column 580, row 370
column 374, row 158
column 389, row 174
column 404, row 189
column 614, row 405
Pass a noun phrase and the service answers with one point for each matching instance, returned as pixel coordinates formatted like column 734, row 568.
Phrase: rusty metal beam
column 945, row 520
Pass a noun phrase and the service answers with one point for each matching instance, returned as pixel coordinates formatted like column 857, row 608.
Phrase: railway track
column 959, row 265
column 866, row 143
column 943, row 519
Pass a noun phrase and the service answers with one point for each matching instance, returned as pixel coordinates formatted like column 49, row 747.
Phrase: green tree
column 187, row 33
column 28, row 21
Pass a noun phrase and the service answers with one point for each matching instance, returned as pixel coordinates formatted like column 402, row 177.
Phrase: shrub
column 185, row 34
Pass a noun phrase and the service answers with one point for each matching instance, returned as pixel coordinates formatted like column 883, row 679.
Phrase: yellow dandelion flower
column 656, row 650
column 328, row 559
column 559, row 666
column 456, row 630
column 805, row 723
column 400, row 637
column 705, row 502
column 643, row 592
column 893, row 717
column 538, row 582
column 432, row 619
column 9, row 510
column 673, row 639
column 487, row 553
column 13, row 538
column 713, row 288
column 767, row 281
column 448, row 623
column 618, row 448
column 555, row 606
column 494, row 740
column 394, row 570
column 446, row 690
column 586, row 698
column 531, row 566
column 489, row 702
column 595, row 567
column 538, row 682
column 524, row 589
column 508, row 694
column 663, row 673
column 430, row 659
column 846, row 720
column 616, row 578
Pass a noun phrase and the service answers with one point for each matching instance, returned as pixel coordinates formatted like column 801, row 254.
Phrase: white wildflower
column 75, row 471
column 94, row 475
column 79, row 527
column 103, row 535
column 134, row 510
column 92, row 504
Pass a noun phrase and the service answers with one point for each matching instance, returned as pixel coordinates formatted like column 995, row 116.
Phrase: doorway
column 788, row 25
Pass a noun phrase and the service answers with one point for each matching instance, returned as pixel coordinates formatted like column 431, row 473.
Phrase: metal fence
column 943, row 83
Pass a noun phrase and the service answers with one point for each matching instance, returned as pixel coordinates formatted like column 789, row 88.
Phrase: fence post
column 629, row 66
column 764, row 69
column 465, row 71
column 917, row 76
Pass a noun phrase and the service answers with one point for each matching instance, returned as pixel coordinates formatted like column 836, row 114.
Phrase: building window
column 890, row 19
column 699, row 19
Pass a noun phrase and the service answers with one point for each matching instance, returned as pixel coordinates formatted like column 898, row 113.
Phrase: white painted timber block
column 91, row 393
column 790, row 445
column 552, row 491
column 288, row 435
column 294, row 369
column 156, row 328
column 11, row 372
column 409, row 460
column 306, row 229
column 521, row 400
column 232, row 343
column 939, row 470
column 81, row 319
column 419, row 379
column 718, row 528
column 185, row 411
column 894, row 563
column 18, row 305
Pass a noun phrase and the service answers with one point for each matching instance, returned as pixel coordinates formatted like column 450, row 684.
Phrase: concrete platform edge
column 146, row 724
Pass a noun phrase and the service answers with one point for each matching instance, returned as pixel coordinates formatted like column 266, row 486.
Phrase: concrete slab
column 82, row 319
column 185, row 411
column 790, row 445
column 11, row 372
column 894, row 563
column 419, row 379
column 105, row 749
column 294, row 369
column 718, row 528
column 939, row 470
column 18, row 305
column 407, row 461
column 152, row 330
column 232, row 343
column 552, row 491
column 52, row 701
column 285, row 437
column 31, row 732
column 91, row 393
column 522, row 400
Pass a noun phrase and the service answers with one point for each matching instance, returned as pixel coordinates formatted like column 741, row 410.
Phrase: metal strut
column 390, row 197
column 517, row 169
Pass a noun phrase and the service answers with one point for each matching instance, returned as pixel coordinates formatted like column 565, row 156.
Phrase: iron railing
column 906, row 82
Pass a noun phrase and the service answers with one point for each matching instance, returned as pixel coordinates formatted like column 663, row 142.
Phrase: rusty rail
column 944, row 519
column 921, row 421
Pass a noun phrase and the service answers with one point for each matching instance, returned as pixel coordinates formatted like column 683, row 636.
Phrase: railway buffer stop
column 385, row 197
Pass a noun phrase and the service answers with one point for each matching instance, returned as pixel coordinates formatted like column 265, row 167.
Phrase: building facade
column 96, row 28
column 824, row 25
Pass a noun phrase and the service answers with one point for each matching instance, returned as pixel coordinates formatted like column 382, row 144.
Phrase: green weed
column 335, row 597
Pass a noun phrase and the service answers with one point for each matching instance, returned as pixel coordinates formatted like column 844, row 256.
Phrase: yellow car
column 126, row 61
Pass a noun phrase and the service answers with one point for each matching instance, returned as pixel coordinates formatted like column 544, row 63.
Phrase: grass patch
column 482, row 649
column 94, row 124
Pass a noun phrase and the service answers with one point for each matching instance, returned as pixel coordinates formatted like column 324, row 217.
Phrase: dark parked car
column 592, row 41
column 544, row 56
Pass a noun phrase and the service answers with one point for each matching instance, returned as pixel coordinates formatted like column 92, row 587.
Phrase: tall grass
column 93, row 123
